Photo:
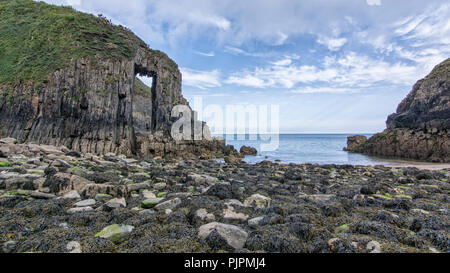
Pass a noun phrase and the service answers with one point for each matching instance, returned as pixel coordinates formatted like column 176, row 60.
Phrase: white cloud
column 201, row 79
column 235, row 50
column 197, row 18
column 239, row 22
column 284, row 62
column 333, row 44
column 373, row 2
column 206, row 54
column 276, row 76
column 431, row 27
column 330, row 90
column 350, row 73
column 239, row 51
column 74, row 2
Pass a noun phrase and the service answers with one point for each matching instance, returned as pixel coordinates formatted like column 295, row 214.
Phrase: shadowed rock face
column 420, row 129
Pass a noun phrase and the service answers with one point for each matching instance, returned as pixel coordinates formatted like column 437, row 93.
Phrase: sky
column 332, row 66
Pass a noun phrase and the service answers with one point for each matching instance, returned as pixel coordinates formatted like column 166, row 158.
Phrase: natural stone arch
column 145, row 104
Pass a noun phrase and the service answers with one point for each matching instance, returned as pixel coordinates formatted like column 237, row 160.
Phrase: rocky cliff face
column 427, row 107
column 90, row 105
column 420, row 129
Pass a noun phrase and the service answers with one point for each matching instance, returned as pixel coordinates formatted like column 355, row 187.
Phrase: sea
column 309, row 148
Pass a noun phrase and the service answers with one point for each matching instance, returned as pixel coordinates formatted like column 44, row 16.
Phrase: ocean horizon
column 304, row 148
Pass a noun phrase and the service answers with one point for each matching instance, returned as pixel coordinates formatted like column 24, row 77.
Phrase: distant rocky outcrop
column 246, row 150
column 84, row 94
column 420, row 129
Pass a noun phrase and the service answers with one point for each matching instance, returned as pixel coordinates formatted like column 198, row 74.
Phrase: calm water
column 306, row 148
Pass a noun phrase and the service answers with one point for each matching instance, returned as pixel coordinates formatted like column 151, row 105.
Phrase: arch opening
column 144, row 100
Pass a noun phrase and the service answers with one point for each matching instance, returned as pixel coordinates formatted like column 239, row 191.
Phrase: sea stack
column 70, row 79
column 420, row 129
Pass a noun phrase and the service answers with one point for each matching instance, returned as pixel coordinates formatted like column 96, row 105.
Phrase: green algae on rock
column 115, row 233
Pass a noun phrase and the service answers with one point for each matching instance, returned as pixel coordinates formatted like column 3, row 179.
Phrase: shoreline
column 390, row 163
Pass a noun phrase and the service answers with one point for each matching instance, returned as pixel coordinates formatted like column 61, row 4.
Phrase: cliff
column 420, row 129
column 69, row 78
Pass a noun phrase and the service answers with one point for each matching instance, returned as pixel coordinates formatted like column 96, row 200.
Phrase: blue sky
column 333, row 66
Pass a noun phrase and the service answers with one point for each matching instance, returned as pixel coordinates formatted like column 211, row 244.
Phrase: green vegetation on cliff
column 37, row 38
column 440, row 70
column 141, row 88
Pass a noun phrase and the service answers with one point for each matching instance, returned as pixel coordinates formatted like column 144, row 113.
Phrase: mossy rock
column 115, row 233
column 386, row 196
column 5, row 164
column 342, row 228
column 161, row 194
column 150, row 203
column 403, row 196
column 103, row 197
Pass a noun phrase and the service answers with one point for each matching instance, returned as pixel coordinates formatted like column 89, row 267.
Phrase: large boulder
column 115, row 233
column 223, row 235
column 246, row 150
column 353, row 142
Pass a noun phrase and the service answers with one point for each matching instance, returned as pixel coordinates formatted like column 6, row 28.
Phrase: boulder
column 72, row 195
column 246, row 150
column 353, row 142
column 258, row 201
column 41, row 195
column 8, row 140
column 234, row 237
column 103, row 197
column 138, row 187
column 73, row 247
column 85, row 203
column 91, row 190
column 80, row 209
column 203, row 215
column 170, row 204
column 230, row 215
column 116, row 203
column 150, row 202
column 254, row 222
column 115, row 233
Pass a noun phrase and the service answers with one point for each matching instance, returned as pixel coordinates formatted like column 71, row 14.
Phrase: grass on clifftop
column 37, row 39
column 441, row 69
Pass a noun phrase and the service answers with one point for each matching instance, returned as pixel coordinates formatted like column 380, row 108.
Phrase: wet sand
column 399, row 163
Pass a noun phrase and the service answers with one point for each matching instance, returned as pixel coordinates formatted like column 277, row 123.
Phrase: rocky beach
column 89, row 162
column 57, row 200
